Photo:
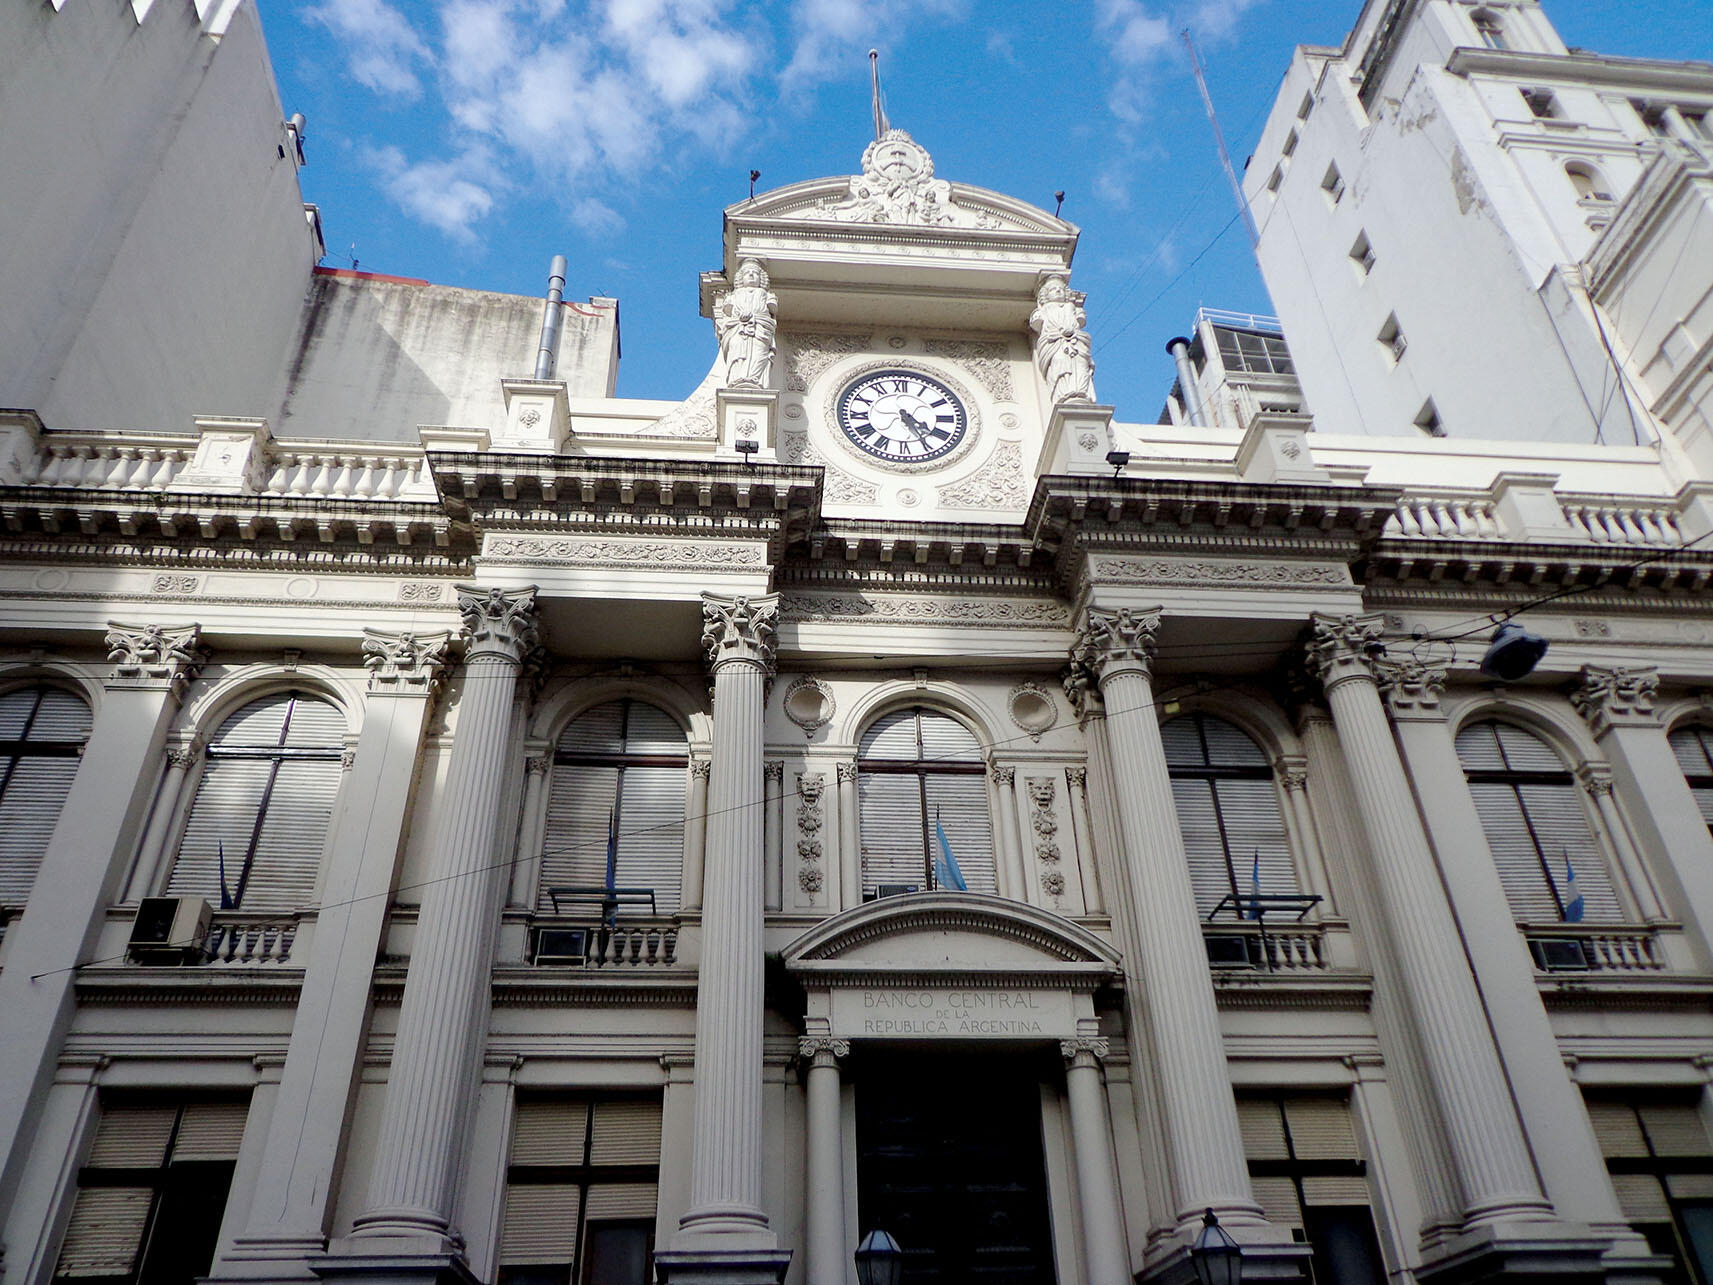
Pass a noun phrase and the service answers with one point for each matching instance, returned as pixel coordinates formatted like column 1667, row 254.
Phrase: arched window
column 42, row 731
column 260, row 817
column 1694, row 749
column 621, row 765
column 1531, row 809
column 1590, row 183
column 1228, row 812
column 1490, row 28
column 921, row 775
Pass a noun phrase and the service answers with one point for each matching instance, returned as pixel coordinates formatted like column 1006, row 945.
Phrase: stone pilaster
column 725, row 1234
column 1083, row 830
column 773, row 783
column 99, row 826
column 825, row 1199
column 1482, row 1129
column 1106, row 1257
column 1013, row 882
column 406, row 1226
column 695, row 849
column 526, row 867
column 146, row 874
column 850, row 839
column 1169, row 992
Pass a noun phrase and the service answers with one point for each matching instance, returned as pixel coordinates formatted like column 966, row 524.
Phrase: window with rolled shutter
column 1531, row 810
column 1661, row 1161
column 921, row 774
column 581, row 1191
column 151, row 1196
column 42, row 733
column 1694, row 749
column 1307, row 1172
column 263, row 806
column 1228, row 812
column 623, row 764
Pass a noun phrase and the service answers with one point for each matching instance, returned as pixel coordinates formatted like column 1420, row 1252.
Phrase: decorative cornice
column 1412, row 688
column 145, row 655
column 1617, row 696
column 499, row 622
column 739, row 630
column 1116, row 640
column 1343, row 647
column 404, row 663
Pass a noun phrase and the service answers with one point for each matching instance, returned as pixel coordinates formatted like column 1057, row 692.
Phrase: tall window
column 1590, row 183
column 581, row 1192
column 1228, row 811
column 921, row 774
column 620, row 764
column 1694, row 749
column 152, row 1194
column 1661, row 1164
column 1489, row 27
column 1531, row 809
column 42, row 731
column 1308, row 1175
column 263, row 806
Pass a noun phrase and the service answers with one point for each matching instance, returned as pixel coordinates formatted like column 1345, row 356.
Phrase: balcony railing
column 622, row 943
column 1578, row 948
column 249, row 939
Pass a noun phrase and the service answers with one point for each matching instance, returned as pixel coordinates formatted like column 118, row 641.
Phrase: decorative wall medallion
column 300, row 587
column 812, row 352
column 419, row 591
column 530, row 417
column 808, row 703
column 998, row 484
column 176, row 584
column 1591, row 628
column 52, row 580
column 908, row 497
column 837, row 486
column 1290, row 448
column 1032, row 708
column 835, row 411
column 984, row 360
column 1008, row 420
column 895, row 341
column 793, row 411
column 927, row 610
column 620, row 553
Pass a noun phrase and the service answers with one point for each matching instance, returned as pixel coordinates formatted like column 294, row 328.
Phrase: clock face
column 902, row 417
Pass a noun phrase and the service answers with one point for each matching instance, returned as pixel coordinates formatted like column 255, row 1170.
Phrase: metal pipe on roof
column 545, row 357
column 1180, row 350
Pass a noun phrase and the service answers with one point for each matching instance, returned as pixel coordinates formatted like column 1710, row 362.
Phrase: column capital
column 499, row 622
column 1084, row 1050
column 1003, row 776
column 702, row 769
column 154, row 655
column 739, row 629
column 404, row 663
column 183, row 756
column 773, row 770
column 1342, row 647
column 822, row 1050
column 1616, row 696
column 847, row 773
column 1292, row 771
column 1412, row 688
column 1596, row 778
column 1115, row 640
column 1081, row 690
column 1078, row 777
column 537, row 764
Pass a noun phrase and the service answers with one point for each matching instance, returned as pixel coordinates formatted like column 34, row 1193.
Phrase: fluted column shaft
column 443, row 1017
column 1482, row 1130
column 826, row 1162
column 147, row 872
column 696, row 840
column 1205, row 1149
column 725, row 1173
column 1106, row 1259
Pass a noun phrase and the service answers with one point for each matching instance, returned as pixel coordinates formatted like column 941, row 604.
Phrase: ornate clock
column 901, row 416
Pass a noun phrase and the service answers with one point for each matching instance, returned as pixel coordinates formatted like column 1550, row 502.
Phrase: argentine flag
column 1255, row 887
column 1573, row 903
column 946, row 872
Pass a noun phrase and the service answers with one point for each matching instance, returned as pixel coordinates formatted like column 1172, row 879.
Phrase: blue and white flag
column 226, row 900
column 1255, row 887
column 610, row 906
column 946, row 872
column 1574, row 906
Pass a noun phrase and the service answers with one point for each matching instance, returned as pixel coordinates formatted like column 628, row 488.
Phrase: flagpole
column 881, row 124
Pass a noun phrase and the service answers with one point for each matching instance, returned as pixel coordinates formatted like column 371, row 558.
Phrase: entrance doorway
column 949, row 1161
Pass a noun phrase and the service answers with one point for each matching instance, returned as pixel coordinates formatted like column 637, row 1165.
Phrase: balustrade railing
column 1445, row 517
column 137, row 463
column 307, row 471
column 639, row 943
column 249, row 939
column 1292, row 948
column 1604, row 522
column 1579, row 948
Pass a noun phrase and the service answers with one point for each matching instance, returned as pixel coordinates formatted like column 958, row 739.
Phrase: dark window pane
column 1346, row 1250
column 618, row 1254
column 187, row 1223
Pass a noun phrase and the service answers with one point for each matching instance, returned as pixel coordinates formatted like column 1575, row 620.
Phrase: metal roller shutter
column 540, row 1224
column 1228, row 812
column 1263, row 1129
column 613, row 1200
column 132, row 1138
column 222, row 818
column 651, row 832
column 1334, row 1190
column 1255, row 828
column 42, row 731
column 1674, row 1129
column 552, row 1131
column 105, row 1231
column 211, row 1131
column 1321, row 1130
column 294, row 833
column 945, row 740
column 892, row 736
column 1617, row 1130
column 626, row 1133
column 890, row 808
column 44, row 714
column 1694, row 749
column 580, row 799
column 959, row 805
column 1278, row 1200
column 1199, row 826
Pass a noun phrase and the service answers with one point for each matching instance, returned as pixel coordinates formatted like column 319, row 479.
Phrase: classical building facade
column 460, row 825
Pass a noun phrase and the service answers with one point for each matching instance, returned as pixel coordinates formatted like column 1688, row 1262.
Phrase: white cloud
column 443, row 194
column 829, row 35
column 1111, row 187
column 382, row 47
column 1139, row 39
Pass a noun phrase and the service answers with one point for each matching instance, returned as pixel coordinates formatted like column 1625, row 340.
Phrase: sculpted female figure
column 745, row 320
column 1061, row 344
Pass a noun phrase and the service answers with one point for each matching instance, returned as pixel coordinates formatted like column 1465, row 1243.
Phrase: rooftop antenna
column 881, row 124
column 1219, row 138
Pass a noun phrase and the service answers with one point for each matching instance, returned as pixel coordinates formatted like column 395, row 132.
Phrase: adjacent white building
column 460, row 825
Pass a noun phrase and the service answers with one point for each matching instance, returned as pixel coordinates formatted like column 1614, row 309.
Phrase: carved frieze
column 985, row 361
column 998, row 484
column 1615, row 695
column 921, row 609
column 811, row 787
column 1044, row 825
column 813, row 351
column 621, row 553
column 1218, row 573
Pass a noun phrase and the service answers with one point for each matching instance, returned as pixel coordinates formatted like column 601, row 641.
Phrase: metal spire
column 881, row 124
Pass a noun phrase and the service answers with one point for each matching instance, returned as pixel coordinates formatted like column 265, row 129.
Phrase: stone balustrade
column 1646, row 523
column 1297, row 948
column 1475, row 515
column 637, row 944
column 1579, row 948
column 1446, row 517
column 238, row 939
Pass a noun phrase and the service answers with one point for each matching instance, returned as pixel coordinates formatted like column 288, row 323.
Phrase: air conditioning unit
column 1560, row 954
column 1229, row 950
column 561, row 946
column 170, row 930
column 895, row 889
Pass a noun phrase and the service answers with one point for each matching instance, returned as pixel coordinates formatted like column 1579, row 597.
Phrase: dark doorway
column 949, row 1161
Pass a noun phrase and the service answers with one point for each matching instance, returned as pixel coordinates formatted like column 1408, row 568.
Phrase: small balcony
column 1578, row 948
column 618, row 944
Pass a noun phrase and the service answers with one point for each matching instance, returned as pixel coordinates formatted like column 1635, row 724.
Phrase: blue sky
column 468, row 141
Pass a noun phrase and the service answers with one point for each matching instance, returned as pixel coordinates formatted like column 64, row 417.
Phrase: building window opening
column 1590, row 183
column 1308, row 1174
column 1290, row 146
column 1228, row 812
column 1543, row 104
column 1661, row 1163
column 1391, row 338
column 1653, row 117
column 1275, row 178
column 1531, row 809
column 1490, row 28
column 922, row 806
column 1362, row 254
column 1694, row 749
column 42, row 733
column 581, row 1191
column 1333, row 184
column 1427, row 419
column 1306, row 106
column 620, row 768
column 263, row 806
column 152, row 1194
column 1251, row 353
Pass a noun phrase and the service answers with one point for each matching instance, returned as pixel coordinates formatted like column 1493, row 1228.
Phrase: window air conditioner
column 561, row 945
column 170, row 930
column 1228, row 950
column 1559, row 954
column 895, row 889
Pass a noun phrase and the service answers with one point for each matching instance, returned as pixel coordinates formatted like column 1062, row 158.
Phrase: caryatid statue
column 1061, row 343
column 745, row 320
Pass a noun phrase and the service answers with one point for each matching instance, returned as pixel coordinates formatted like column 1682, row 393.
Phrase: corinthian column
column 443, row 1019
column 828, row 1252
column 1480, row 1120
column 725, row 1225
column 1168, row 991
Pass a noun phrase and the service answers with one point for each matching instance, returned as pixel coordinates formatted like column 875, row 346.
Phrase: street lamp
column 1216, row 1257
column 879, row 1260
